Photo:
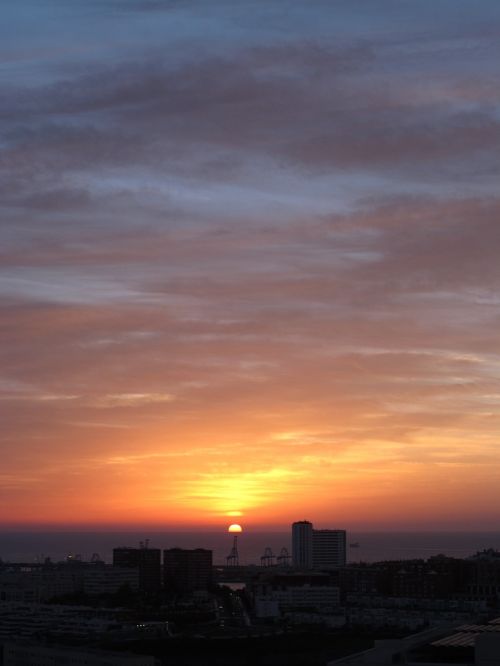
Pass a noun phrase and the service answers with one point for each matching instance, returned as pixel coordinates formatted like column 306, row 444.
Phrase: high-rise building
column 329, row 549
column 187, row 570
column 146, row 560
column 317, row 549
column 302, row 544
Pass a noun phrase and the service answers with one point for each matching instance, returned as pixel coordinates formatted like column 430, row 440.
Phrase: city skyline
column 249, row 264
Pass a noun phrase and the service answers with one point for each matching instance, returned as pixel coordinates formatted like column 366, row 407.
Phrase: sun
column 235, row 528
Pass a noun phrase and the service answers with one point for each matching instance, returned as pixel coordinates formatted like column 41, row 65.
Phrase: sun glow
column 218, row 493
column 235, row 528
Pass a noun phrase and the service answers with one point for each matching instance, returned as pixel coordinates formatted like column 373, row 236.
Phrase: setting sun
column 235, row 528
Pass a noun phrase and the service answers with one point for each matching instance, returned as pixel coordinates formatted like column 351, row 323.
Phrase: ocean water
column 18, row 546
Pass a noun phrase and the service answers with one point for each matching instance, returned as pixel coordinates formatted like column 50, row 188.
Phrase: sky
column 249, row 263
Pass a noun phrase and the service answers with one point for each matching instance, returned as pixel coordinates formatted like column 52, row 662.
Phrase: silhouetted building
column 37, row 584
column 302, row 544
column 484, row 576
column 317, row 549
column 329, row 549
column 107, row 579
column 418, row 580
column 146, row 560
column 439, row 577
column 187, row 570
column 57, row 622
column 275, row 594
column 365, row 580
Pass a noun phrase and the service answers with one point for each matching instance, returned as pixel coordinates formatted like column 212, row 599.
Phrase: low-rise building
column 107, row 579
column 31, row 654
column 316, row 599
column 38, row 584
column 27, row 621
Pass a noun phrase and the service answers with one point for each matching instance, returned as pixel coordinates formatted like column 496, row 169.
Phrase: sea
column 29, row 547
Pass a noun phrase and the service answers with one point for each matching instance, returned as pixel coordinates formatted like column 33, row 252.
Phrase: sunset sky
column 250, row 263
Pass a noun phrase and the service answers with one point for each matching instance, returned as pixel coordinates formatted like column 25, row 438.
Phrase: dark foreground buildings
column 146, row 560
column 163, row 604
column 187, row 570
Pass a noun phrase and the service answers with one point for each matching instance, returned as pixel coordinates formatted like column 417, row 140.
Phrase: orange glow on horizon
column 309, row 467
